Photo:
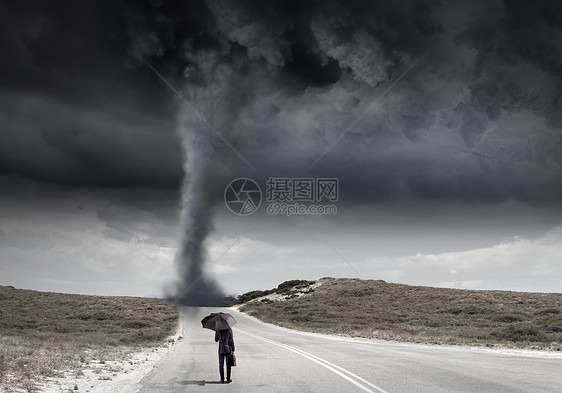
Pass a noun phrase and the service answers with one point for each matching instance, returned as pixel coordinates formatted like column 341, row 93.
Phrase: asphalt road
column 273, row 359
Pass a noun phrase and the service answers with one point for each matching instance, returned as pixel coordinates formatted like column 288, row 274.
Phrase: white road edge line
column 324, row 363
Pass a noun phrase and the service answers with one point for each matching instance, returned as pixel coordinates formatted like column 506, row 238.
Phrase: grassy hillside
column 43, row 333
column 377, row 309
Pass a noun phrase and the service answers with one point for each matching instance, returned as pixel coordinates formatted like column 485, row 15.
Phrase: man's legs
column 228, row 366
column 221, row 366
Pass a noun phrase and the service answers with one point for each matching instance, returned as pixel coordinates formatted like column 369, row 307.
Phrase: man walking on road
column 225, row 338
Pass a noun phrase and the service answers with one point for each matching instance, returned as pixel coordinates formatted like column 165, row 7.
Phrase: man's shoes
column 228, row 381
column 222, row 380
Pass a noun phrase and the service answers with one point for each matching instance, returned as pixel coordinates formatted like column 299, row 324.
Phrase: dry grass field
column 376, row 309
column 43, row 334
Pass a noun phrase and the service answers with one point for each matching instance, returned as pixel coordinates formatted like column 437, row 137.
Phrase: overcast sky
column 441, row 120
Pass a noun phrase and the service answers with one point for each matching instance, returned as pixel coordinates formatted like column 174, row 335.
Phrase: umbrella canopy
column 218, row 321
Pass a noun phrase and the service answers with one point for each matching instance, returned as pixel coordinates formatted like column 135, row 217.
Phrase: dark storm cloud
column 478, row 117
column 72, row 111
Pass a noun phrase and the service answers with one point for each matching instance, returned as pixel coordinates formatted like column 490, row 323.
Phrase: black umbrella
column 218, row 321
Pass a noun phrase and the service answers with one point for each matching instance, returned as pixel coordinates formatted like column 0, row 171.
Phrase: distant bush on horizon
column 283, row 288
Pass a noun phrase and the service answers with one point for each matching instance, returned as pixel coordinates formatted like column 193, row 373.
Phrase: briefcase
column 232, row 360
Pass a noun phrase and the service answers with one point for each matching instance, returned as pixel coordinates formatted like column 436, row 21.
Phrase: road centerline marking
column 358, row 381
